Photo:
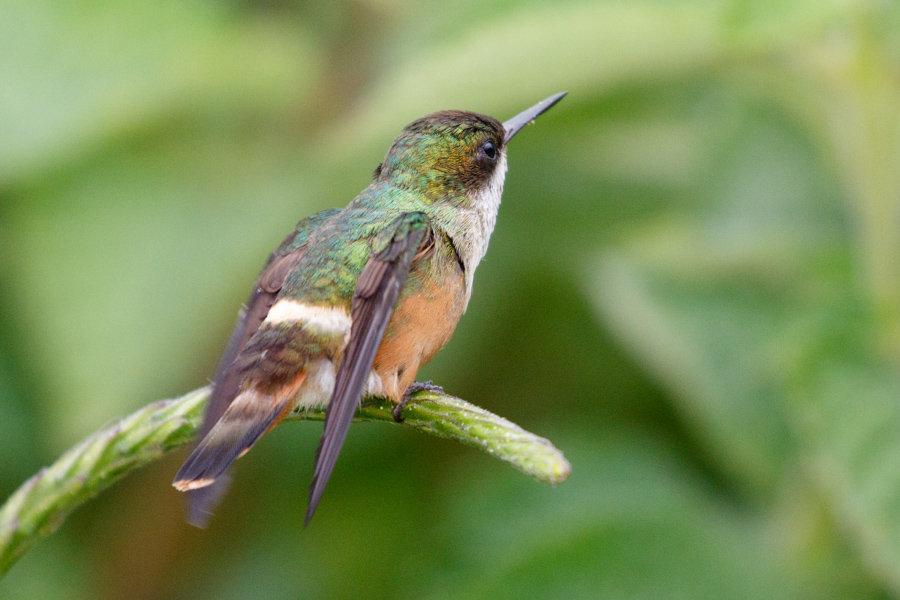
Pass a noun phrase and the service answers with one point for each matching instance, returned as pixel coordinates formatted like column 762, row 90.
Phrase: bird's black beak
column 514, row 125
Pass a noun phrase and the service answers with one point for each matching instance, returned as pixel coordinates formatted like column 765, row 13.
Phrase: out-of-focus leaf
column 633, row 511
column 92, row 271
column 17, row 430
column 713, row 305
column 780, row 374
column 525, row 51
column 848, row 415
column 72, row 74
column 756, row 315
column 603, row 45
column 57, row 572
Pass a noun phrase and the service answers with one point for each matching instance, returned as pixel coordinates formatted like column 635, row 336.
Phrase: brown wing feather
column 227, row 381
column 228, row 377
column 376, row 292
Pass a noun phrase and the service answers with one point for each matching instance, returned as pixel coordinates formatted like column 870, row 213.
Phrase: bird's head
column 455, row 156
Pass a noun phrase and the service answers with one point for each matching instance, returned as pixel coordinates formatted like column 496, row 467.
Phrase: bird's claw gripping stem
column 418, row 386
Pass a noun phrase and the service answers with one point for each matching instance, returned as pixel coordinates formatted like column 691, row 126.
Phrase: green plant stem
column 42, row 503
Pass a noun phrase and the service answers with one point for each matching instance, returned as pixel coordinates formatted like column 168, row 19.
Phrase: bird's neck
column 470, row 221
column 467, row 217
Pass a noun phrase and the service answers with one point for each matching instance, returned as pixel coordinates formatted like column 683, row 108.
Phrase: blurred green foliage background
column 693, row 290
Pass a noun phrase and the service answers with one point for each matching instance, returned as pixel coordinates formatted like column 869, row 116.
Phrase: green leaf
column 194, row 213
column 75, row 74
column 637, row 512
column 759, row 316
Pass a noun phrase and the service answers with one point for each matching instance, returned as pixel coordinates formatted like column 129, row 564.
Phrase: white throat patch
column 481, row 217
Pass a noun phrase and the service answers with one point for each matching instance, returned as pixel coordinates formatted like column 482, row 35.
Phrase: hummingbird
column 355, row 300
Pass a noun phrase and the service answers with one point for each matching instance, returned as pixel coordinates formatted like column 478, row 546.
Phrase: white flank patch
column 319, row 385
column 374, row 385
column 326, row 318
column 316, row 390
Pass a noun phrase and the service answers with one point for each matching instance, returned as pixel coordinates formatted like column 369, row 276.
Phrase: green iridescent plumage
column 354, row 301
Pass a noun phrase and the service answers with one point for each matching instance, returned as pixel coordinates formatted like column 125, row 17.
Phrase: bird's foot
column 418, row 386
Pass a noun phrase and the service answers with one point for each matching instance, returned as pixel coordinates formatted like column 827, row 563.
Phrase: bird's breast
column 421, row 325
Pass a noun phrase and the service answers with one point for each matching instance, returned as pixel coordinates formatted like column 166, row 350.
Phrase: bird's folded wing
column 377, row 290
column 227, row 381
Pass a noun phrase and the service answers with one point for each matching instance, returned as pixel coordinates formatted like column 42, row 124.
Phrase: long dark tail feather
column 368, row 327
column 377, row 289
column 250, row 416
column 337, row 422
column 225, row 443
column 202, row 502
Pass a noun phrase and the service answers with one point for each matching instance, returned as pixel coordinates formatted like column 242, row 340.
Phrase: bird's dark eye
column 489, row 150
